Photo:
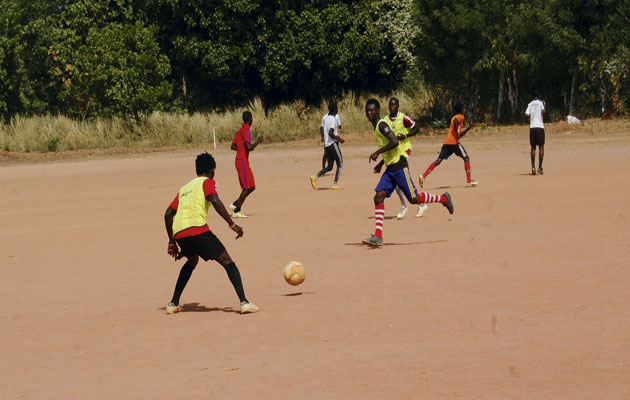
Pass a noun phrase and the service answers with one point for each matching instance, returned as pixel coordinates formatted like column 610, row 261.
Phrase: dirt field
column 524, row 293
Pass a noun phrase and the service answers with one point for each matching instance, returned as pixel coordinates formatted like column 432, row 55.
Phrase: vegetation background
column 99, row 73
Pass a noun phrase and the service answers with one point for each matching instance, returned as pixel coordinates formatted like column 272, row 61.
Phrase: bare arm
column 252, row 146
column 393, row 142
column 234, row 146
column 173, row 250
column 466, row 130
column 331, row 133
column 220, row 209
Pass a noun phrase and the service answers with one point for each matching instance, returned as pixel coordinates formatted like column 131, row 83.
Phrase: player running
column 331, row 139
column 451, row 145
column 186, row 226
column 404, row 128
column 242, row 144
column 396, row 173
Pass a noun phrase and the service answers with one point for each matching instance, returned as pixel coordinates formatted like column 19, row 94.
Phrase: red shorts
column 245, row 175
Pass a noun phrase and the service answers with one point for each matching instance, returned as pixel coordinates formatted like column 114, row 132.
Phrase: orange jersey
column 453, row 134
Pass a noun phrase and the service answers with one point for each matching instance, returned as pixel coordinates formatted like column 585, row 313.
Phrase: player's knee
column 467, row 159
column 192, row 262
column 437, row 162
column 224, row 259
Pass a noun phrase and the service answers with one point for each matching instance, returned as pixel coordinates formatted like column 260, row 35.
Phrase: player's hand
column 260, row 139
column 373, row 156
column 341, row 140
column 471, row 126
column 173, row 250
column 377, row 168
column 238, row 230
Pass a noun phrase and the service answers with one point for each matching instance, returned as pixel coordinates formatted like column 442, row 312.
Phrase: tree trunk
column 515, row 98
column 501, row 91
column 573, row 90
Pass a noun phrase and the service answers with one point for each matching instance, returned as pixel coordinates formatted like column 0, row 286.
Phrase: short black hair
column 373, row 101
column 205, row 163
column 247, row 116
column 332, row 107
column 459, row 107
column 395, row 100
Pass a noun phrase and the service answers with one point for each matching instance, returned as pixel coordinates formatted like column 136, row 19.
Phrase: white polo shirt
column 535, row 113
column 330, row 122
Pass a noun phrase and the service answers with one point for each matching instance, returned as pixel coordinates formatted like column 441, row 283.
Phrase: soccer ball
column 294, row 273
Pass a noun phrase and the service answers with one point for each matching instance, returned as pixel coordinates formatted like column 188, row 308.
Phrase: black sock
column 235, row 278
column 182, row 280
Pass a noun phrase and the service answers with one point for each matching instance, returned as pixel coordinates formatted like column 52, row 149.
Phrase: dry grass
column 287, row 122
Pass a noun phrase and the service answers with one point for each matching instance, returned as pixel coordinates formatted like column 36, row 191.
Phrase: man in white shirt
column 535, row 111
column 330, row 137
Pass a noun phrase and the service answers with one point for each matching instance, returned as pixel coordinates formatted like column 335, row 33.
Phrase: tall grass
column 286, row 122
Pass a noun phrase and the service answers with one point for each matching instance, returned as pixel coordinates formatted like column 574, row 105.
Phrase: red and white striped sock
column 425, row 197
column 379, row 216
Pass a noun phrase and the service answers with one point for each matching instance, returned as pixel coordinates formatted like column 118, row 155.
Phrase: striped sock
column 379, row 216
column 425, row 197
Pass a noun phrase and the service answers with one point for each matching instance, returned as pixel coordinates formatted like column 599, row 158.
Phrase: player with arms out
column 404, row 128
column 535, row 111
column 396, row 172
column 186, row 226
column 330, row 137
column 242, row 144
column 451, row 145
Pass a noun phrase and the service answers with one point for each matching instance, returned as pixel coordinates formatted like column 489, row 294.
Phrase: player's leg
column 460, row 151
column 336, row 154
column 541, row 150
column 532, row 144
column 325, row 169
column 235, row 278
column 403, row 205
column 445, row 153
column 383, row 190
column 184, row 275
column 403, row 180
column 248, row 184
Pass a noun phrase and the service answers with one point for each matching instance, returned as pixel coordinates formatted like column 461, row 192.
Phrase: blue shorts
column 401, row 178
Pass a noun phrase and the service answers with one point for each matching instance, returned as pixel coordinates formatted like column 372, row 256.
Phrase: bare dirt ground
column 524, row 293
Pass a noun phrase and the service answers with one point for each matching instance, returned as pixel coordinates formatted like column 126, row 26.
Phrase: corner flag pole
column 214, row 138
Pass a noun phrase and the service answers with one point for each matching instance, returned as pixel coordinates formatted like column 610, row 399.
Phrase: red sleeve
column 408, row 122
column 209, row 187
column 175, row 202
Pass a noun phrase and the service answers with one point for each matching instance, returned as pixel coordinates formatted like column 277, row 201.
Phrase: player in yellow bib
column 404, row 128
column 396, row 173
column 186, row 225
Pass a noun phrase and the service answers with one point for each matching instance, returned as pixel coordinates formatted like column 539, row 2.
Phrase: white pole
column 214, row 138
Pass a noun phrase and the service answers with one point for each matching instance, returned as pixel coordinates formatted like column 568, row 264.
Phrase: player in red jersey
column 242, row 144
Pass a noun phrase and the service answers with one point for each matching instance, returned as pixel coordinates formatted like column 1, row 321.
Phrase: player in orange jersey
column 451, row 145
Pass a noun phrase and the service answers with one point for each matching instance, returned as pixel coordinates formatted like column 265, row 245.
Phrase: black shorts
column 536, row 137
column 448, row 149
column 206, row 245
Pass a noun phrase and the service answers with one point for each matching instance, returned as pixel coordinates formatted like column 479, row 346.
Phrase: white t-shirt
column 535, row 113
column 330, row 122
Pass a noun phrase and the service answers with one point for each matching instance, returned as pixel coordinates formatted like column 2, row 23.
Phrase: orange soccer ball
column 294, row 273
